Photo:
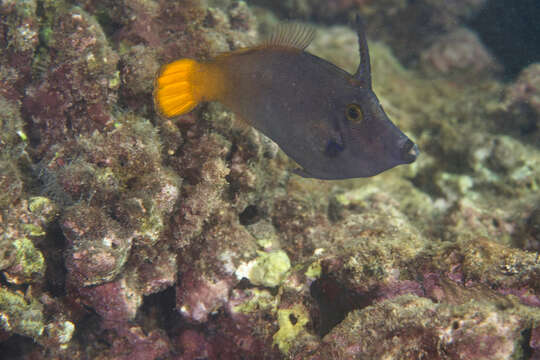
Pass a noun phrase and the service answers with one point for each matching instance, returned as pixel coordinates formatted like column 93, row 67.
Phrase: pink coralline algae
column 133, row 343
column 75, row 93
column 203, row 289
column 94, row 257
column 197, row 297
column 114, row 301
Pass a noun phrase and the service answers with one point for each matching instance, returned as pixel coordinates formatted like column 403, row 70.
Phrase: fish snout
column 408, row 151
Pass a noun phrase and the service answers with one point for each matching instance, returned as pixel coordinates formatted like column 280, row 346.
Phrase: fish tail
column 182, row 84
column 173, row 88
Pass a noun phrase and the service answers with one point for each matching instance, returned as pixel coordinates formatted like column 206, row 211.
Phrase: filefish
column 329, row 121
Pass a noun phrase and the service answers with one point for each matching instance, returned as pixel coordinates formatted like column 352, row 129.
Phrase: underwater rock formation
column 127, row 236
column 416, row 328
column 74, row 93
column 522, row 104
column 459, row 51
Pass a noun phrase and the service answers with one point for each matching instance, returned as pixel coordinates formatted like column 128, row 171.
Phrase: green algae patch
column 29, row 264
column 258, row 300
column 43, row 207
column 33, row 230
column 22, row 135
column 151, row 227
column 314, row 270
column 114, row 81
column 62, row 332
column 291, row 323
column 19, row 316
column 265, row 243
column 268, row 269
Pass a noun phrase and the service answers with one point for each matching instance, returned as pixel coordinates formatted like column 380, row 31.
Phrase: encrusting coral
column 127, row 236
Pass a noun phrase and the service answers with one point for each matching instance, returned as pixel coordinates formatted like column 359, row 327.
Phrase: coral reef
column 75, row 93
column 128, row 236
column 416, row 328
column 522, row 104
column 461, row 52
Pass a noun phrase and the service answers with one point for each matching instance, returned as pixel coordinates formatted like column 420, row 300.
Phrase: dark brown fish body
column 328, row 121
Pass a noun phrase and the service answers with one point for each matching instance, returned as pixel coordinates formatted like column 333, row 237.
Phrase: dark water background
column 511, row 30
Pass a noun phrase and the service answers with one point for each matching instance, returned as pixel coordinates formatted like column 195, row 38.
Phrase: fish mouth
column 409, row 151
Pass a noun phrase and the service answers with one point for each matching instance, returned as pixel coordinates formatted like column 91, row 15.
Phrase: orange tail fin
column 173, row 88
column 182, row 84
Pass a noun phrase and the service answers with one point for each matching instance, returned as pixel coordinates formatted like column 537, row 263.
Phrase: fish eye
column 354, row 113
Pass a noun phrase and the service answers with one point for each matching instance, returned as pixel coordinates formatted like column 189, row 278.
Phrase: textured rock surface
column 459, row 52
column 127, row 236
column 416, row 328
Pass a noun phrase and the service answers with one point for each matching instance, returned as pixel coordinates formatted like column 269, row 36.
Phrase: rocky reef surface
column 127, row 236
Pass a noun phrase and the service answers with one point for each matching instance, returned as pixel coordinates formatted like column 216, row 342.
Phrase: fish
column 330, row 122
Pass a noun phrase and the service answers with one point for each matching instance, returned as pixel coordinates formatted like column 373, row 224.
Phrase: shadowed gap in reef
column 335, row 302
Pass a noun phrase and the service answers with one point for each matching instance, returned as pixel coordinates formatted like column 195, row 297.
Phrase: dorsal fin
column 294, row 35
column 363, row 74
